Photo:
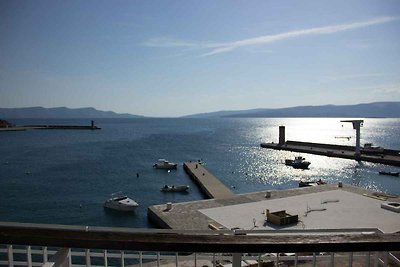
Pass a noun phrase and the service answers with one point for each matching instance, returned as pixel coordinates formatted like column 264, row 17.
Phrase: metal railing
column 84, row 258
column 60, row 245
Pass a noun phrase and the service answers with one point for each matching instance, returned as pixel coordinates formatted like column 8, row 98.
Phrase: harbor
column 145, row 133
column 333, row 217
column 387, row 156
column 367, row 153
column 250, row 211
column 323, row 206
column 330, row 206
column 50, row 158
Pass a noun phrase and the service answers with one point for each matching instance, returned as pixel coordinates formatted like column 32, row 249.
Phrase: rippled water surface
column 64, row 176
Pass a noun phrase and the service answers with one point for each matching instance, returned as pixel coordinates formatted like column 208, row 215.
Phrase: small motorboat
column 175, row 188
column 165, row 164
column 298, row 163
column 389, row 173
column 313, row 183
column 119, row 201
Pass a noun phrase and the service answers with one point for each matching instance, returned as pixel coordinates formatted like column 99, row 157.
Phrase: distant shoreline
column 49, row 127
column 385, row 109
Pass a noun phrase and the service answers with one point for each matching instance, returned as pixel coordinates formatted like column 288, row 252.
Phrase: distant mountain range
column 370, row 110
column 60, row 112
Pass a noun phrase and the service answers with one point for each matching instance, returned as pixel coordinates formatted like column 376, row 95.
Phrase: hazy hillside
column 377, row 109
column 59, row 112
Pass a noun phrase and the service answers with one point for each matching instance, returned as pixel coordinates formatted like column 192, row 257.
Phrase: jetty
column 171, row 216
column 92, row 126
column 62, row 127
column 386, row 156
column 209, row 184
column 375, row 155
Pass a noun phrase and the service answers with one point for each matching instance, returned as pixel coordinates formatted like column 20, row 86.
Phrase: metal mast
column 357, row 124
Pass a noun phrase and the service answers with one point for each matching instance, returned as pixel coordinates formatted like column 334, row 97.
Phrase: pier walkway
column 186, row 215
column 208, row 183
column 386, row 156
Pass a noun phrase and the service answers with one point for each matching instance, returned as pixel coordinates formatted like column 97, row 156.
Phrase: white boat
column 119, row 201
column 175, row 188
column 165, row 164
column 297, row 163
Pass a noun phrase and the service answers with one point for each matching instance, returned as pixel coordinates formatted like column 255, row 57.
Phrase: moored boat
column 165, row 164
column 119, row 201
column 389, row 173
column 312, row 183
column 175, row 188
column 298, row 162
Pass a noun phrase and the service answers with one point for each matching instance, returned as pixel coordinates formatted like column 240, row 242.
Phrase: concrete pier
column 227, row 210
column 50, row 127
column 63, row 127
column 185, row 215
column 208, row 183
column 13, row 129
column 385, row 156
column 241, row 210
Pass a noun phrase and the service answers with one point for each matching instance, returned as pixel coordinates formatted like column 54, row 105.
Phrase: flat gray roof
column 341, row 210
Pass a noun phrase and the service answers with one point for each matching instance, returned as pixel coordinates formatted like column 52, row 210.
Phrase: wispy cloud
column 391, row 91
column 353, row 76
column 218, row 48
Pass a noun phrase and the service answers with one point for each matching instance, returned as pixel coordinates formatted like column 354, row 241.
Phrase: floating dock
column 385, row 156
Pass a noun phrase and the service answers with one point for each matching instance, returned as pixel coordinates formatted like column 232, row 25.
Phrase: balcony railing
column 61, row 245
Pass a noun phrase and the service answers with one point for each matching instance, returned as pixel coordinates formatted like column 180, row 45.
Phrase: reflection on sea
column 265, row 168
column 72, row 173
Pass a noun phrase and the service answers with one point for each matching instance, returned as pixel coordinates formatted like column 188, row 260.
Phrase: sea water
column 64, row 176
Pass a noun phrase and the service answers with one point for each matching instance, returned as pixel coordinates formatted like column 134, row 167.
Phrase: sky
column 174, row 58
